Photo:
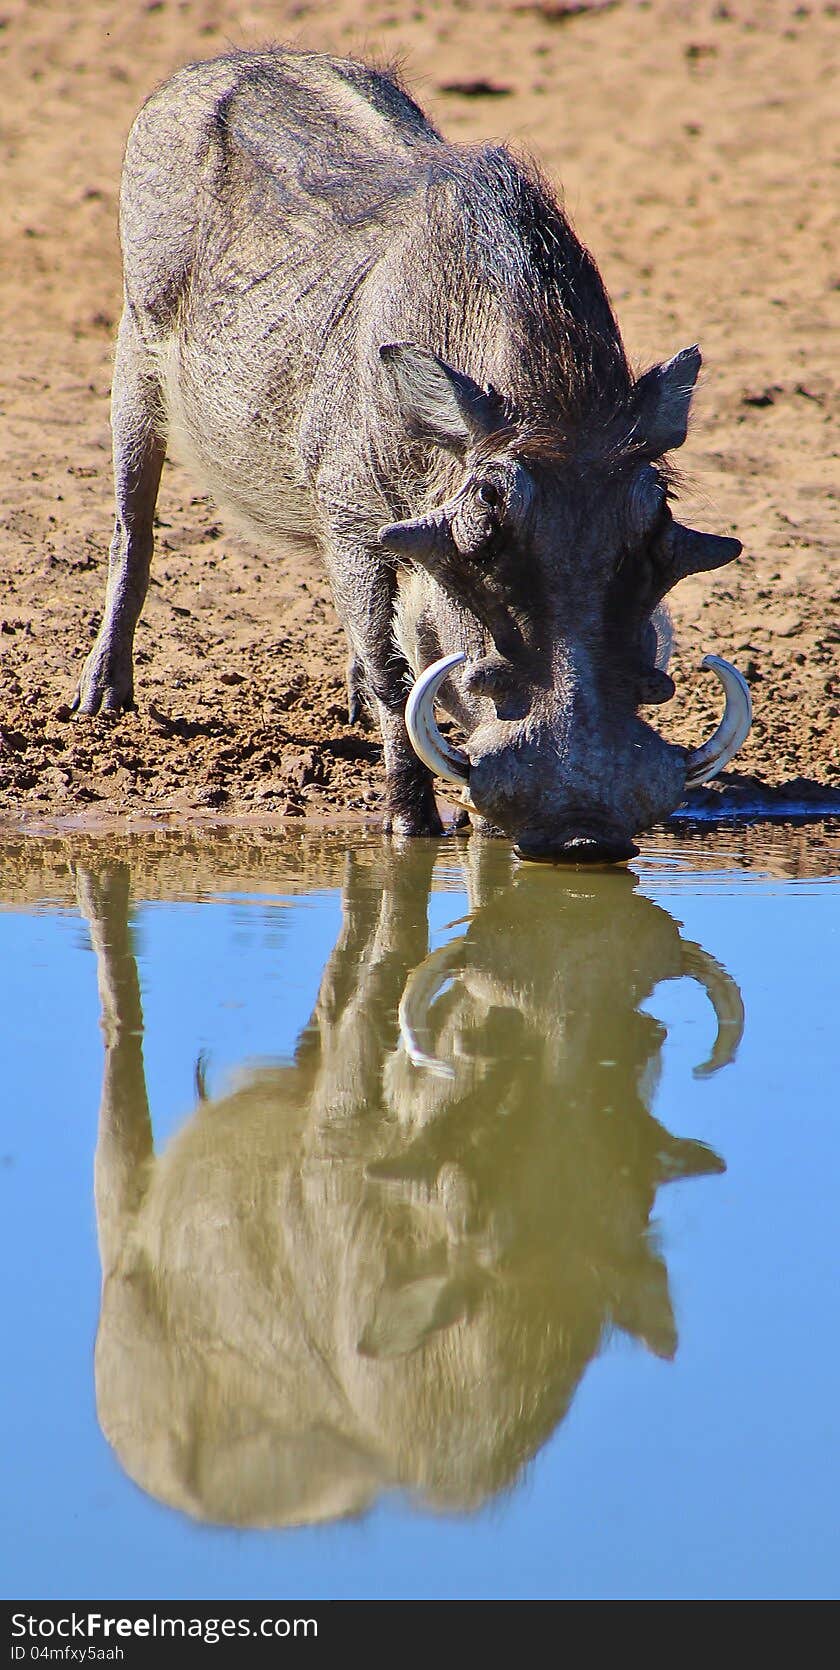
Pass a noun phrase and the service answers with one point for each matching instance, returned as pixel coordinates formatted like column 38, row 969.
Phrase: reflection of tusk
column 419, row 993
column 446, row 762
column 704, row 763
column 725, row 998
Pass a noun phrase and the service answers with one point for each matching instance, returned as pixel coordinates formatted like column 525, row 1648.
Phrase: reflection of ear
column 405, row 1317
column 642, row 1306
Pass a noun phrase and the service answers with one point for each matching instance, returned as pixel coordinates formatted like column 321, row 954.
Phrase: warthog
column 396, row 347
column 354, row 1273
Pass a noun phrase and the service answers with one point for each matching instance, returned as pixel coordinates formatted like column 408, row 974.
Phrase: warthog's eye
column 479, row 524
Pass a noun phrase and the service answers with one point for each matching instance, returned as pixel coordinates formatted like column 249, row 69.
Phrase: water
column 489, row 1245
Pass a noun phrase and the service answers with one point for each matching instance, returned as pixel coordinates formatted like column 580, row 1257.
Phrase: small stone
column 761, row 397
column 785, row 625
column 477, row 89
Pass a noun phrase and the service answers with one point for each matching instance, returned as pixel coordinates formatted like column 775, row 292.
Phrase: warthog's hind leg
column 107, row 681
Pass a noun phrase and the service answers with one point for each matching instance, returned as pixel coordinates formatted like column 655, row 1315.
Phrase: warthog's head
column 531, row 601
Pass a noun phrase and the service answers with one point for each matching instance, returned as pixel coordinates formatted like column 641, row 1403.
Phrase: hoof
column 413, row 823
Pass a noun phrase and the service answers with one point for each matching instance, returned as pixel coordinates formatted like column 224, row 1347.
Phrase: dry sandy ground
column 693, row 141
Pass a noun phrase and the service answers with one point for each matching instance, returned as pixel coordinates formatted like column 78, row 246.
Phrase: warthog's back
column 258, row 191
column 285, row 213
column 324, row 139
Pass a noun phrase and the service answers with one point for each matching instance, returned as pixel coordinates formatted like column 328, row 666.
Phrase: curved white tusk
column 725, row 997
column 449, row 763
column 419, row 993
column 704, row 763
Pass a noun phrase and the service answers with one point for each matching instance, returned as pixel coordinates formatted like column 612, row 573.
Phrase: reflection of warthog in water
column 352, row 1273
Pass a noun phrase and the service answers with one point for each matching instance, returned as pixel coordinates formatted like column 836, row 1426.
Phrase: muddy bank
column 692, row 142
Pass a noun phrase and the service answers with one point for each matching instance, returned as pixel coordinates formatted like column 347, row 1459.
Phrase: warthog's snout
column 526, row 779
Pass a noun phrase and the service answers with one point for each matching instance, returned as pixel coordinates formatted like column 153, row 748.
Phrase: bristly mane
column 519, row 246
column 489, row 220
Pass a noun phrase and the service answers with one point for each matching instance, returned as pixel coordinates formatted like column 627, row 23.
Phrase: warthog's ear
column 441, row 404
column 661, row 402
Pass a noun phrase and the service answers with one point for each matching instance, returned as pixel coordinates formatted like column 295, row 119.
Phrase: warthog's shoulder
column 301, row 94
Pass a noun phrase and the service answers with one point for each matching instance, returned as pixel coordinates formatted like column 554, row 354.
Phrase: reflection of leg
column 359, row 900
column 125, row 1132
column 488, row 869
column 107, row 679
column 384, row 933
column 402, row 930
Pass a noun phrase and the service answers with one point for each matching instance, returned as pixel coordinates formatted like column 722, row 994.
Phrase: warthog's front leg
column 363, row 588
column 410, row 799
column 107, row 680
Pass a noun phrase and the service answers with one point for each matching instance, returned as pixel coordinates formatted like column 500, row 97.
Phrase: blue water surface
column 714, row 1475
